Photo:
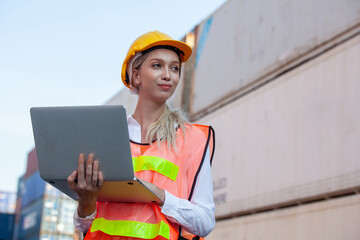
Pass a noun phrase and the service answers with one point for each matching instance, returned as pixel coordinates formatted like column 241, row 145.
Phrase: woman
column 159, row 137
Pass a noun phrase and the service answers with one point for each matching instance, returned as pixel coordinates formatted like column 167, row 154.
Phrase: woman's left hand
column 155, row 189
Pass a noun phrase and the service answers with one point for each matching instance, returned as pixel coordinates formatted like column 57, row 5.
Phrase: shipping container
column 34, row 188
column 34, row 236
column 293, row 139
column 15, row 235
column 124, row 98
column 332, row 219
column 32, row 164
column 7, row 202
column 58, row 216
column 244, row 41
column 30, row 220
column 51, row 191
column 18, row 210
column 6, row 226
column 48, row 216
column 56, row 237
column 21, row 187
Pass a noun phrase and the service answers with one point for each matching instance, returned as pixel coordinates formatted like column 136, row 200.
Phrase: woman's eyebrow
column 162, row 60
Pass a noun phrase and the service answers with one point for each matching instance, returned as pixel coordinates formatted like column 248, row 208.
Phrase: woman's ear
column 136, row 78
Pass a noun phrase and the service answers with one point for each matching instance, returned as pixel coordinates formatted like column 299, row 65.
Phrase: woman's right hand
column 87, row 185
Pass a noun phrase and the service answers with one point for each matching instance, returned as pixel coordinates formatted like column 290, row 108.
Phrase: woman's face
column 158, row 75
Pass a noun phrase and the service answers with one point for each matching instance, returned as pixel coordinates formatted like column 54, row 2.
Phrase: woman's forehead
column 163, row 54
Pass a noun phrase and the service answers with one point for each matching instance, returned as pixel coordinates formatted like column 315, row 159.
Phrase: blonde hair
column 165, row 128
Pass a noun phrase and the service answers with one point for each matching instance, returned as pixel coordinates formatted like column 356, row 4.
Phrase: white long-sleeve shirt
column 196, row 216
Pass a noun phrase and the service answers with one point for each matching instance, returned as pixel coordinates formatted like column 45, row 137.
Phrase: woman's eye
column 156, row 65
column 175, row 68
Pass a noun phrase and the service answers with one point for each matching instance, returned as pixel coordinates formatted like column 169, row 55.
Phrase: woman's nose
column 166, row 74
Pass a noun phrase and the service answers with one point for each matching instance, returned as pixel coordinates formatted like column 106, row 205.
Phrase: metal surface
column 20, row 187
column 125, row 98
column 30, row 220
column 17, row 210
column 32, row 164
column 293, row 139
column 34, row 188
column 16, row 232
column 246, row 40
column 6, row 225
column 327, row 220
column 61, row 134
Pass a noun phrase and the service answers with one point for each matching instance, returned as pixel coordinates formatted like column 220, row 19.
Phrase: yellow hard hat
column 149, row 40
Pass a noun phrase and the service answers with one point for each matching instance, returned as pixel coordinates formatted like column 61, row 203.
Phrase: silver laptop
column 62, row 133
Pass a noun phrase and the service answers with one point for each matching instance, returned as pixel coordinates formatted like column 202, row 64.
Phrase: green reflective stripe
column 131, row 228
column 157, row 164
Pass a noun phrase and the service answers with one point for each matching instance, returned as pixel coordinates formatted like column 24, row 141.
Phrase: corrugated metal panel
column 34, row 189
column 31, row 219
column 7, row 202
column 6, row 226
column 294, row 138
column 331, row 220
column 32, row 163
column 246, row 40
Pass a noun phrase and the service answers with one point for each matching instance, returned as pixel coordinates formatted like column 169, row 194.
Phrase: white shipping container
column 124, row 97
column 326, row 220
column 295, row 138
column 245, row 40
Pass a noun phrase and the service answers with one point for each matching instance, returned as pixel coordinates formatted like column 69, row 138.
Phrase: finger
column 101, row 179
column 89, row 169
column 81, row 170
column 71, row 179
column 95, row 173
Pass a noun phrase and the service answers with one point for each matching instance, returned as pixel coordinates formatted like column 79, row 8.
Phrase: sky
column 69, row 53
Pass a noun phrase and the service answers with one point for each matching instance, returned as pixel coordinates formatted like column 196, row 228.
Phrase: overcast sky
column 63, row 53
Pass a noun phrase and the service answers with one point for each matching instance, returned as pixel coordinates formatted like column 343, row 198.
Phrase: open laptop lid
column 62, row 133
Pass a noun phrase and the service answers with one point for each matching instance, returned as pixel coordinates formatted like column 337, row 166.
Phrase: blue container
column 33, row 237
column 20, row 189
column 6, row 226
column 30, row 220
column 34, row 188
column 16, row 232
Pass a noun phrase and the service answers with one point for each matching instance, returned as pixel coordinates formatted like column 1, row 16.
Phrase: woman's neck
column 147, row 113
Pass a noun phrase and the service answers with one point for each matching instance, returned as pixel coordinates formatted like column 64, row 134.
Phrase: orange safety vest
column 175, row 171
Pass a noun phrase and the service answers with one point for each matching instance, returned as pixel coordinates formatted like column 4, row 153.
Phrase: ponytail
column 164, row 129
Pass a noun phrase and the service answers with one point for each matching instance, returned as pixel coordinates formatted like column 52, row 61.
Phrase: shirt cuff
column 83, row 224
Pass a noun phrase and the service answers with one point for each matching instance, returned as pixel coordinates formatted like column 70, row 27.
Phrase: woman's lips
column 165, row 86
